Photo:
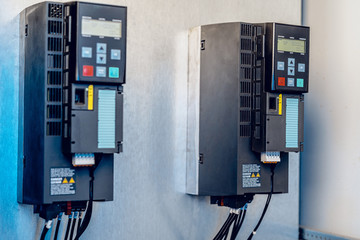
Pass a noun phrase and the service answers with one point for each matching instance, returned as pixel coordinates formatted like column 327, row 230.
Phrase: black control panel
column 287, row 58
column 100, row 39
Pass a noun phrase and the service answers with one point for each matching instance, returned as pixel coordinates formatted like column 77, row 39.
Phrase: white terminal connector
column 270, row 157
column 83, row 159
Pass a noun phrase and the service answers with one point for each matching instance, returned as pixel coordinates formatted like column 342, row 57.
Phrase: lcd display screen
column 100, row 28
column 291, row 45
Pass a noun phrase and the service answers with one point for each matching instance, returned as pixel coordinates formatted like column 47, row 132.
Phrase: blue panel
column 106, row 119
column 292, row 122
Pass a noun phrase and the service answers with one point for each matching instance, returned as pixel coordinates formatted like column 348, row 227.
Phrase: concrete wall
column 331, row 161
column 150, row 174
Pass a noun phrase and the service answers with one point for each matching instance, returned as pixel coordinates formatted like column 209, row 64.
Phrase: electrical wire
column 68, row 227
column 79, row 221
column 57, row 226
column 46, row 228
column 89, row 208
column 266, row 204
column 73, row 226
column 239, row 222
column 223, row 226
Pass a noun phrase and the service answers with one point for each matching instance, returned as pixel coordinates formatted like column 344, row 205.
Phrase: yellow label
column 65, row 181
column 280, row 104
column 91, row 97
column 72, row 180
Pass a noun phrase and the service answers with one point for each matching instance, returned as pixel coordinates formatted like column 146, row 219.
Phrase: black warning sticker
column 251, row 175
column 62, row 181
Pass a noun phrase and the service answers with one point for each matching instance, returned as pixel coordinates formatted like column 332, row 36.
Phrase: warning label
column 62, row 181
column 251, row 175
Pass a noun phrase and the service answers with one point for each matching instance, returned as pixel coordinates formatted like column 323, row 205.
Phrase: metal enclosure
column 54, row 123
column 232, row 117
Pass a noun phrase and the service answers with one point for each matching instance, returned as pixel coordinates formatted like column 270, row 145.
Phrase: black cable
column 57, row 226
column 73, row 226
column 68, row 227
column 43, row 233
column 236, row 224
column 239, row 224
column 79, row 221
column 88, row 213
column 46, row 228
column 222, row 227
column 226, row 229
column 266, row 205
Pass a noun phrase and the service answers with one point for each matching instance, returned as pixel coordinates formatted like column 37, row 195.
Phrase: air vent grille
column 246, row 60
column 54, row 44
column 53, row 111
column 55, row 10
column 54, row 70
column 53, row 128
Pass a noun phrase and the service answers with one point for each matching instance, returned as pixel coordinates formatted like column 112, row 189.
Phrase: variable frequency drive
column 246, row 106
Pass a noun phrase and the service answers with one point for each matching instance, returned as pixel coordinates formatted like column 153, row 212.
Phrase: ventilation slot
column 245, row 58
column 246, row 44
column 53, row 111
column 55, row 10
column 54, row 27
column 53, row 128
column 245, row 130
column 54, row 61
column 54, row 44
column 245, row 87
column 245, row 116
column 245, row 73
column 245, row 101
column 54, row 77
column 54, row 95
column 246, row 30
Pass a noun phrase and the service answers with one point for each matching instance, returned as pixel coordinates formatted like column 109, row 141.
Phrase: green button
column 114, row 72
column 300, row 82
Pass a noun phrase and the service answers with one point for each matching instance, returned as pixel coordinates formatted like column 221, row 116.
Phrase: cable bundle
column 236, row 218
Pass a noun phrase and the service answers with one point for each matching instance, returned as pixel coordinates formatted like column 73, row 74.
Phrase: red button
column 88, row 71
column 281, row 81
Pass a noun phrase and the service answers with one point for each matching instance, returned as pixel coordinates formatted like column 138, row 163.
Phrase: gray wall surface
column 331, row 161
column 150, row 200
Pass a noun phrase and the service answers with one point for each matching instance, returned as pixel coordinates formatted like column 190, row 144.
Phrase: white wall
column 331, row 161
column 150, row 174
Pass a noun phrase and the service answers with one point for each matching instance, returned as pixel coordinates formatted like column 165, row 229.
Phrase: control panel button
column 291, row 71
column 113, row 72
column 101, row 47
column 291, row 82
column 281, row 81
column 300, row 82
column 88, row 71
column 101, row 58
column 115, row 54
column 86, row 52
column 291, row 62
column 101, row 71
column 280, row 66
column 301, row 67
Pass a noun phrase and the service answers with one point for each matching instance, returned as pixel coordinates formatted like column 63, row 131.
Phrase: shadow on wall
column 13, row 215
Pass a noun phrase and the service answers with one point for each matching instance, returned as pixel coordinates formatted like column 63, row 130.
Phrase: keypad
column 288, row 71
column 101, row 56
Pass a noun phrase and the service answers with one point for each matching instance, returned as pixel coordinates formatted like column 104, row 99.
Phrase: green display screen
column 290, row 45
